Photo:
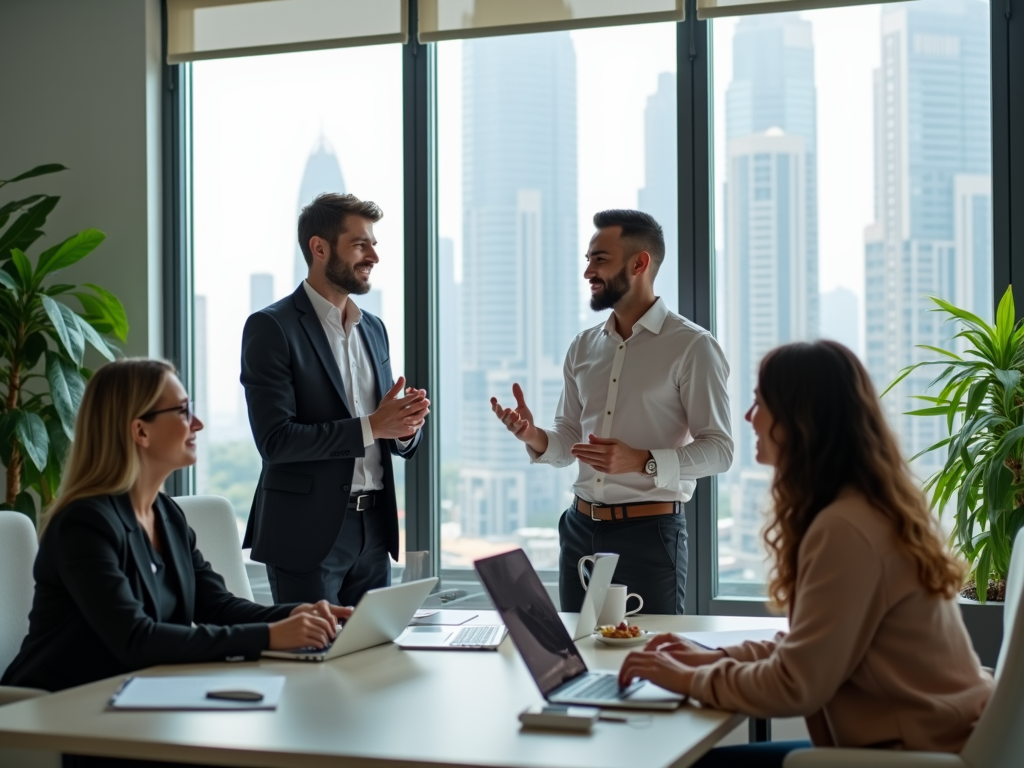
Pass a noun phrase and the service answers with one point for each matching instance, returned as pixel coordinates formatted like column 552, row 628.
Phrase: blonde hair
column 832, row 435
column 104, row 459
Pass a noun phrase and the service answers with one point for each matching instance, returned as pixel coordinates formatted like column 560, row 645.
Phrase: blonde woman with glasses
column 120, row 584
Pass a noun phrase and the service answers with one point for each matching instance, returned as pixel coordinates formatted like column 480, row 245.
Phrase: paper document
column 186, row 692
column 716, row 640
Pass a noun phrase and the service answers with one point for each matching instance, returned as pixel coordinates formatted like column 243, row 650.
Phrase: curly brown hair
column 831, row 434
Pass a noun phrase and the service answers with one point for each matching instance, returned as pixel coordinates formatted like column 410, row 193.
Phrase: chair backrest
column 213, row 519
column 18, row 547
column 998, row 738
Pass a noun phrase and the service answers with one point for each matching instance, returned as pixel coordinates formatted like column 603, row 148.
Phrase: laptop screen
column 531, row 618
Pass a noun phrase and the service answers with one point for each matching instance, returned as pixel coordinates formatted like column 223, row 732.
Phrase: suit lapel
column 137, row 544
column 315, row 331
column 176, row 550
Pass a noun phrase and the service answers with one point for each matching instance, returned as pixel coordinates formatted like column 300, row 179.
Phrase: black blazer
column 306, row 433
column 93, row 614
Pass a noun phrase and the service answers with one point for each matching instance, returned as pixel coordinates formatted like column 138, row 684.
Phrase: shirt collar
column 653, row 319
column 327, row 311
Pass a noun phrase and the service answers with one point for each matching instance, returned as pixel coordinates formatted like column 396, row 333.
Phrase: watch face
column 652, row 466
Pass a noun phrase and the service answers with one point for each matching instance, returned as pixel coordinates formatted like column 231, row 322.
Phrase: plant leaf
column 70, row 336
column 1009, row 380
column 26, row 228
column 113, row 311
column 66, row 389
column 74, row 249
column 9, row 282
column 39, row 170
column 24, row 267
column 31, row 434
column 93, row 337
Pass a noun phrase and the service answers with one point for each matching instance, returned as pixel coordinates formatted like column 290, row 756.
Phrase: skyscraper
column 322, row 174
column 932, row 229
column 201, row 391
column 660, row 195
column 520, row 296
column 771, row 234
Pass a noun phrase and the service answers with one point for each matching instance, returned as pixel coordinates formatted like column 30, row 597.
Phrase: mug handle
column 639, row 607
column 584, row 575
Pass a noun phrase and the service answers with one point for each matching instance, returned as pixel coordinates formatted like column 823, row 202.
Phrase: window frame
column 696, row 290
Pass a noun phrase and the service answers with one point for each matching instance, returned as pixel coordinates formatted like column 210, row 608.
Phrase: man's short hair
column 642, row 231
column 325, row 217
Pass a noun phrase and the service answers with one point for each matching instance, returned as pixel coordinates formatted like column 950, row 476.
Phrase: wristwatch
column 651, row 467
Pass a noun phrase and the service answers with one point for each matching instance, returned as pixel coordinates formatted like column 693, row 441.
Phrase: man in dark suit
column 327, row 417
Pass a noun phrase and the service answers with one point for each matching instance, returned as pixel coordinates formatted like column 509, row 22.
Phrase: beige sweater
column 871, row 659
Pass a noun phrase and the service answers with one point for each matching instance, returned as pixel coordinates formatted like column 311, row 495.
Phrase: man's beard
column 343, row 277
column 612, row 291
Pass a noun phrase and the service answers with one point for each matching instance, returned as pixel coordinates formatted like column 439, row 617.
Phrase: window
column 269, row 134
column 536, row 134
column 852, row 179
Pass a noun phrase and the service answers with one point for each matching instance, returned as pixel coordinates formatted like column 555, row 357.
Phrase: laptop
column 546, row 647
column 381, row 616
column 597, row 591
column 436, row 637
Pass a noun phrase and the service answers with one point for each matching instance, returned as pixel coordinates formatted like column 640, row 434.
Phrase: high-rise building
column 520, row 289
column 840, row 317
column 932, row 229
column 660, row 195
column 322, row 174
column 771, row 239
column 449, row 321
column 201, row 391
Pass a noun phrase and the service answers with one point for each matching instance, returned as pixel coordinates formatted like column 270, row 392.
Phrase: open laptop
column 381, row 616
column 546, row 647
column 438, row 637
column 597, row 591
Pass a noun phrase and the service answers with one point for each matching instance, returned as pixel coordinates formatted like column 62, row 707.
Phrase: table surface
column 382, row 705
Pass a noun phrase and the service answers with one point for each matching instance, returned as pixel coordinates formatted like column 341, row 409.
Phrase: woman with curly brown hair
column 877, row 654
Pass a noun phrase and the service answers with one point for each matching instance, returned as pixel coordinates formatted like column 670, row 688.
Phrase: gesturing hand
column 397, row 418
column 613, row 457
column 660, row 668
column 519, row 421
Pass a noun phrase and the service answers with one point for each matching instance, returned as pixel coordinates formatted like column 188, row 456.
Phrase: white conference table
column 382, row 706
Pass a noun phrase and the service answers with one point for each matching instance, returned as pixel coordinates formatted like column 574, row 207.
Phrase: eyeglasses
column 188, row 410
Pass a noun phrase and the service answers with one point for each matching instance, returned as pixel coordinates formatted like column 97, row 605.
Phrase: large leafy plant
column 982, row 402
column 43, row 343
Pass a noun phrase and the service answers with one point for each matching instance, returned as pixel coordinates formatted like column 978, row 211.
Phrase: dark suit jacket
column 306, row 433
column 93, row 614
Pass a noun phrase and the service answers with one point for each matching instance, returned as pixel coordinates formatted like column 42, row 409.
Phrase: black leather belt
column 360, row 502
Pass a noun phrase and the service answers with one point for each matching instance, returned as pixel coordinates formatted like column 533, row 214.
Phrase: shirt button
column 621, row 346
column 614, row 380
column 609, row 413
column 599, row 479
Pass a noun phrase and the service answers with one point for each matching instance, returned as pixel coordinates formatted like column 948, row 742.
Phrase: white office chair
column 18, row 547
column 213, row 520
column 998, row 738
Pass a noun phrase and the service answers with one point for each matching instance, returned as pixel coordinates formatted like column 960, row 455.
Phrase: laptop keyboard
column 600, row 687
column 476, row 636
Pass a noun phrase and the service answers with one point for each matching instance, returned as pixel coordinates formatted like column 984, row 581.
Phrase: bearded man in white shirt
column 644, row 409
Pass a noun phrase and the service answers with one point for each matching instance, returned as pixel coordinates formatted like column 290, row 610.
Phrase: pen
column 117, row 693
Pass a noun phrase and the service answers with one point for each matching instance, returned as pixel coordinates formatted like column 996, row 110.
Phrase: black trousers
column 771, row 754
column 652, row 558
column 359, row 561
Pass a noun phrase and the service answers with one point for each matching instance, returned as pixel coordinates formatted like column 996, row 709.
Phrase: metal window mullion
column 422, row 486
column 176, row 258
column 1008, row 147
column 696, row 268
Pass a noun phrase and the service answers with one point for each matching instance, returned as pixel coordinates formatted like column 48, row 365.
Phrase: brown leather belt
column 619, row 512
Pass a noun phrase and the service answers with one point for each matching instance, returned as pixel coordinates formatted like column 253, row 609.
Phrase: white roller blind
column 712, row 9
column 456, row 19
column 214, row 29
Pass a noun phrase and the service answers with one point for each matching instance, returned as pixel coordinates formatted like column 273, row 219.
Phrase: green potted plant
column 42, row 345
column 982, row 402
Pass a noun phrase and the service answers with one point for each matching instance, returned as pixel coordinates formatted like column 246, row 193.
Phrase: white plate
column 624, row 642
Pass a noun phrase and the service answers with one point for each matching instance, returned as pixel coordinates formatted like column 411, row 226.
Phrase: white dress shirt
column 360, row 384
column 663, row 389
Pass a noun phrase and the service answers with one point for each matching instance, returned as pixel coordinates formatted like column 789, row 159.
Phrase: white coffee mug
column 584, row 573
column 614, row 610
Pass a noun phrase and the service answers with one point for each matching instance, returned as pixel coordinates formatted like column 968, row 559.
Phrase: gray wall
column 80, row 85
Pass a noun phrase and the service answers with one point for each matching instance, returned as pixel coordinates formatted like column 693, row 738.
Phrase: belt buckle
column 594, row 506
column 359, row 502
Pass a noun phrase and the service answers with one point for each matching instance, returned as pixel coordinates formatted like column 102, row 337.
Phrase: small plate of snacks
column 623, row 635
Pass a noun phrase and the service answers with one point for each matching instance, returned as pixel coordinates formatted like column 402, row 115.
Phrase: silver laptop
column 380, row 617
column 546, row 647
column 436, row 637
column 597, row 591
